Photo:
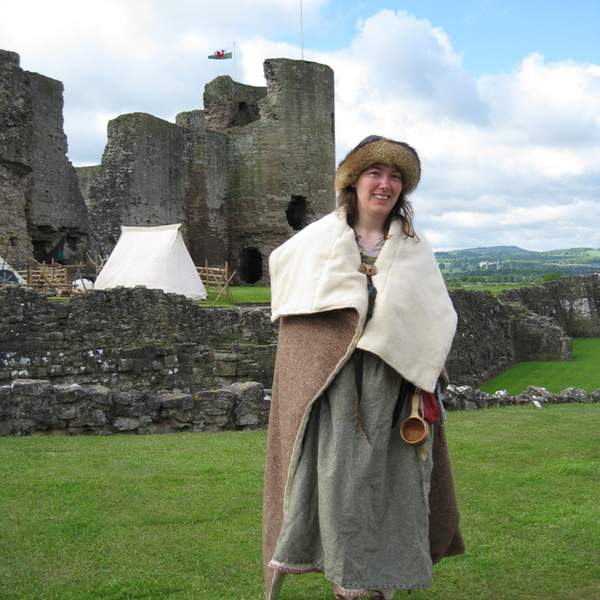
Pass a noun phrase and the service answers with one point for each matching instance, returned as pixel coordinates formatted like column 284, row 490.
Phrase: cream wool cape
column 321, row 300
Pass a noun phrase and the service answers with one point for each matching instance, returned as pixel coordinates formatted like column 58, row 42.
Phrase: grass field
column 178, row 516
column 241, row 295
column 582, row 372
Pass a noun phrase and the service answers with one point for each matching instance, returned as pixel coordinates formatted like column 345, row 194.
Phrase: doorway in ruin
column 250, row 265
column 243, row 115
column 298, row 213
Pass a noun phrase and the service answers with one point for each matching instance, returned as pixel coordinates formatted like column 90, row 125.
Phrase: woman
column 365, row 320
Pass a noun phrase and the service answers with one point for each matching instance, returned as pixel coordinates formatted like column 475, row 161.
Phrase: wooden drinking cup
column 415, row 430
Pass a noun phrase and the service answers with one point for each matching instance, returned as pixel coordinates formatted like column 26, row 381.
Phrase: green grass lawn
column 178, row 516
column 582, row 372
column 241, row 295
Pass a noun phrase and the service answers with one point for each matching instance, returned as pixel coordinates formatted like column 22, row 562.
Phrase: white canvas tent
column 155, row 257
column 8, row 274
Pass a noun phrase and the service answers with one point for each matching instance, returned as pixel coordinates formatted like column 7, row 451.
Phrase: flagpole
column 301, row 31
column 234, row 64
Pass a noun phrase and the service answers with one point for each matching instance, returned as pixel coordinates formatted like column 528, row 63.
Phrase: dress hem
column 301, row 569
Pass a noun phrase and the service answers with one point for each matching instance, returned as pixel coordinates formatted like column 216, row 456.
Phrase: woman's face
column 378, row 189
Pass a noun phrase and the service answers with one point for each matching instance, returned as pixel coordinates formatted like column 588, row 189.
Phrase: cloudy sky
column 501, row 98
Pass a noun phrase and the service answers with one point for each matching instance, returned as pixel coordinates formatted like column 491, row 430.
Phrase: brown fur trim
column 384, row 151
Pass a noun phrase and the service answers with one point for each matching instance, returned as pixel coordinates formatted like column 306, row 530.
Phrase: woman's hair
column 348, row 200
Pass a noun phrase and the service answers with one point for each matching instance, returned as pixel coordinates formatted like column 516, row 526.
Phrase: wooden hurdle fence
column 217, row 280
column 98, row 262
column 46, row 277
column 54, row 278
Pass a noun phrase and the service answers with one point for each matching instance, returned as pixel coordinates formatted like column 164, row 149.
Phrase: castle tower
column 282, row 165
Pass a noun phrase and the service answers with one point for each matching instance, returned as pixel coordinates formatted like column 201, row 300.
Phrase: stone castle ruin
column 242, row 175
column 40, row 200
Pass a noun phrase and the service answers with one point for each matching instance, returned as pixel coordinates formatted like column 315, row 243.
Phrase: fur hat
column 376, row 149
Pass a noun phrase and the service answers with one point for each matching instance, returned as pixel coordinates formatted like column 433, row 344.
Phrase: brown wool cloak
column 322, row 318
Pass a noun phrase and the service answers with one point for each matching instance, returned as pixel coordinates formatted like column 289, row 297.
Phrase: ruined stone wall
column 16, row 159
column 16, row 114
column 37, row 407
column 144, row 339
column 228, row 104
column 191, row 118
column 157, row 173
column 242, row 176
column 469, row 398
column 15, row 244
column 572, row 302
column 85, row 178
column 132, row 338
column 282, row 166
column 205, row 204
column 40, row 200
column 492, row 336
column 56, row 206
column 482, row 347
column 140, row 182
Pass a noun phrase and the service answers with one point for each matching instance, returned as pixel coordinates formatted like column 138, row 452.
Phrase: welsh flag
column 221, row 54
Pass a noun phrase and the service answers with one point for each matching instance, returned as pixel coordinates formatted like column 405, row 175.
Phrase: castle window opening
column 250, row 265
column 39, row 250
column 297, row 213
column 243, row 116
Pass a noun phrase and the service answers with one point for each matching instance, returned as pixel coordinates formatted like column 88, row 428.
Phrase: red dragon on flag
column 221, row 54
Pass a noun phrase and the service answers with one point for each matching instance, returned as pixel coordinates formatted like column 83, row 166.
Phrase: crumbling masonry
column 242, row 175
column 40, row 200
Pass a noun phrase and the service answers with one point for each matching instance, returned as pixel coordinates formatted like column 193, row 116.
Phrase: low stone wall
column 469, row 398
column 36, row 407
column 133, row 339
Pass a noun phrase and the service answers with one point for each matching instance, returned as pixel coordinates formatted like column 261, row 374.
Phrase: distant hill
column 512, row 259
column 483, row 252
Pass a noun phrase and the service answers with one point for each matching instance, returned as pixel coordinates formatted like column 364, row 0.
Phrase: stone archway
column 250, row 265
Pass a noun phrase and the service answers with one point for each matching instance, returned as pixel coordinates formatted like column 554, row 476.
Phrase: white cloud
column 407, row 57
column 518, row 151
column 46, row 27
column 545, row 104
column 549, row 162
column 193, row 42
